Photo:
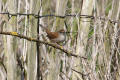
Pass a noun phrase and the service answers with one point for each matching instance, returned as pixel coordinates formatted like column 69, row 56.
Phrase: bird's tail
column 45, row 28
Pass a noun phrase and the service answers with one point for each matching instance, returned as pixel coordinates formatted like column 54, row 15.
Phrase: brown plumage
column 55, row 36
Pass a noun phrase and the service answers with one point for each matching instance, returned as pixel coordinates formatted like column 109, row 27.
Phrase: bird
column 56, row 37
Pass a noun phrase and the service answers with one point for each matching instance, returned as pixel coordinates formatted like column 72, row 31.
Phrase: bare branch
column 81, row 73
column 68, row 53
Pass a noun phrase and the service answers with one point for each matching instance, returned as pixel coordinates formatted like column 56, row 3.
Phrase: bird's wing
column 52, row 35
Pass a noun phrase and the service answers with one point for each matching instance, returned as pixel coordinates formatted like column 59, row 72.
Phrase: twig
column 1, row 62
column 81, row 73
column 67, row 15
column 65, row 75
column 48, row 15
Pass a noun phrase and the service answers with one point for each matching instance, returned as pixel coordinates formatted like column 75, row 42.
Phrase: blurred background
column 94, row 27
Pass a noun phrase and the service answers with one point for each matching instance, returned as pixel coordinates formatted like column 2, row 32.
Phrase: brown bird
column 56, row 37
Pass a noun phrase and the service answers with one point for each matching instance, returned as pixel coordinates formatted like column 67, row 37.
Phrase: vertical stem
column 39, row 58
column 38, row 74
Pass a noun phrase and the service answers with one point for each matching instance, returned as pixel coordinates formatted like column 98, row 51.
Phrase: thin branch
column 48, row 15
column 67, row 15
column 68, row 53
column 65, row 75
column 1, row 62
column 81, row 73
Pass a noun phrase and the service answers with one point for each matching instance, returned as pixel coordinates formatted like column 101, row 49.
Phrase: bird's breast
column 61, row 38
